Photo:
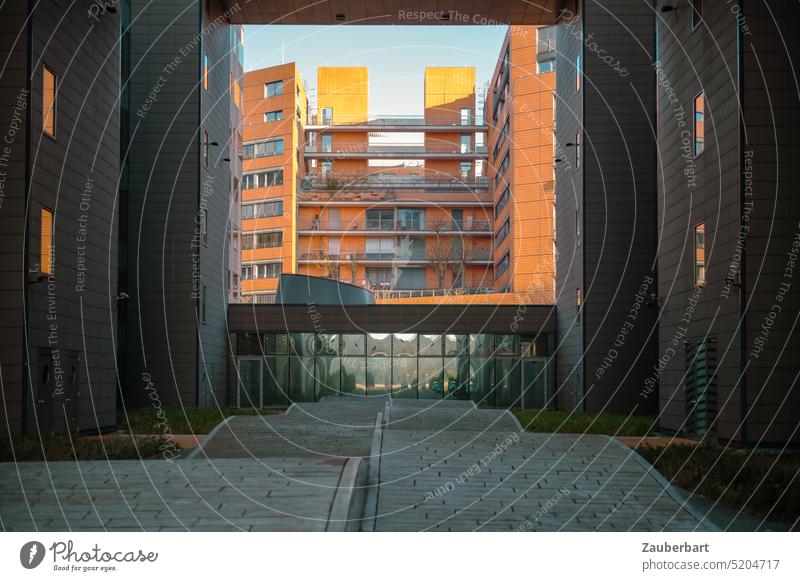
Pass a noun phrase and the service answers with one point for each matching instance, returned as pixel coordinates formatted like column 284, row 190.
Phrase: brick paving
column 441, row 466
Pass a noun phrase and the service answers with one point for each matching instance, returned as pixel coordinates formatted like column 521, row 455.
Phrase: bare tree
column 460, row 256
column 330, row 265
column 353, row 260
column 440, row 253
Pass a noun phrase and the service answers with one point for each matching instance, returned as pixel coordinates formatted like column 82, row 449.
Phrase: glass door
column 534, row 383
column 250, row 378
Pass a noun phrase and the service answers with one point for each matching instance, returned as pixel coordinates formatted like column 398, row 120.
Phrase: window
column 501, row 266
column 502, row 233
column 269, row 148
column 273, row 89
column 380, row 248
column 700, row 254
column 264, row 270
column 265, row 179
column 466, row 116
column 697, row 13
column 466, row 143
column 327, row 115
column 273, row 116
column 466, row 170
column 327, row 143
column 378, row 277
column 545, row 67
column 699, row 124
column 577, row 227
column 578, row 304
column 501, row 139
column 501, row 203
column 545, row 39
column 578, row 73
column 380, row 219
column 205, row 149
column 46, row 246
column 578, row 150
column 205, row 72
column 410, row 278
column 411, row 219
column 262, row 240
column 326, row 165
column 49, row 102
column 236, row 91
column 501, row 170
column 262, row 210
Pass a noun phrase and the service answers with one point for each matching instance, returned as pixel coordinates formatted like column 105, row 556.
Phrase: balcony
column 384, row 294
column 333, row 182
column 381, row 227
column 391, row 123
column 395, row 151
column 475, row 256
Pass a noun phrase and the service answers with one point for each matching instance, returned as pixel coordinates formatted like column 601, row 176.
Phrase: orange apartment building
column 520, row 113
column 275, row 108
column 402, row 205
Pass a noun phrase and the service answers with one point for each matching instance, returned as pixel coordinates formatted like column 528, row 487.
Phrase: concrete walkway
column 355, row 464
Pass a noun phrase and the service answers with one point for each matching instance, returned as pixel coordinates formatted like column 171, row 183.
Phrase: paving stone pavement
column 440, row 465
column 278, row 494
column 496, row 478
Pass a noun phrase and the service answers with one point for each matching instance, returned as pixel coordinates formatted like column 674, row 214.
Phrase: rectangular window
column 327, row 116
column 262, row 210
column 264, row 270
column 501, row 266
column 501, row 203
column 205, row 72
column 578, row 304
column 263, row 180
column 49, row 105
column 327, row 143
column 466, row 116
column 380, row 219
column 273, row 89
column 700, row 254
column 578, row 150
column 697, row 13
column 236, row 92
column 46, row 242
column 466, row 143
column 411, row 219
column 699, row 124
column 269, row 148
column 380, row 248
column 262, row 240
column 410, row 278
column 578, row 73
column 545, row 67
column 501, row 170
column 379, row 277
column 273, row 116
column 466, row 170
column 205, row 149
column 545, row 40
column 502, row 233
column 501, row 139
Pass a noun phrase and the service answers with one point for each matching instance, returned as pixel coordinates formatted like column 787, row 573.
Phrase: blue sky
column 396, row 55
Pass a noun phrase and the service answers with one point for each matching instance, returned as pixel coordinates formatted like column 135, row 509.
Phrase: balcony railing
column 342, row 181
column 454, row 227
column 415, row 121
column 382, row 294
column 395, row 149
column 475, row 255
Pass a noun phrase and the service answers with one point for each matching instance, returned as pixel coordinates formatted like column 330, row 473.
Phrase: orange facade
column 413, row 221
column 274, row 112
column 520, row 115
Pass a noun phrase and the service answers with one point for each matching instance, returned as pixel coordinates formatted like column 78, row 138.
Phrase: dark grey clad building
column 728, row 219
column 605, row 207
column 59, row 167
column 179, row 125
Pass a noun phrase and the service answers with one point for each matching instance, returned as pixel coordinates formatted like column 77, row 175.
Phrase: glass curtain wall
column 494, row 370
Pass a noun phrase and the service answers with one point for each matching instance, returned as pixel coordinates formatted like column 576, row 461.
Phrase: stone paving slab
column 439, row 415
column 453, row 480
column 155, row 495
